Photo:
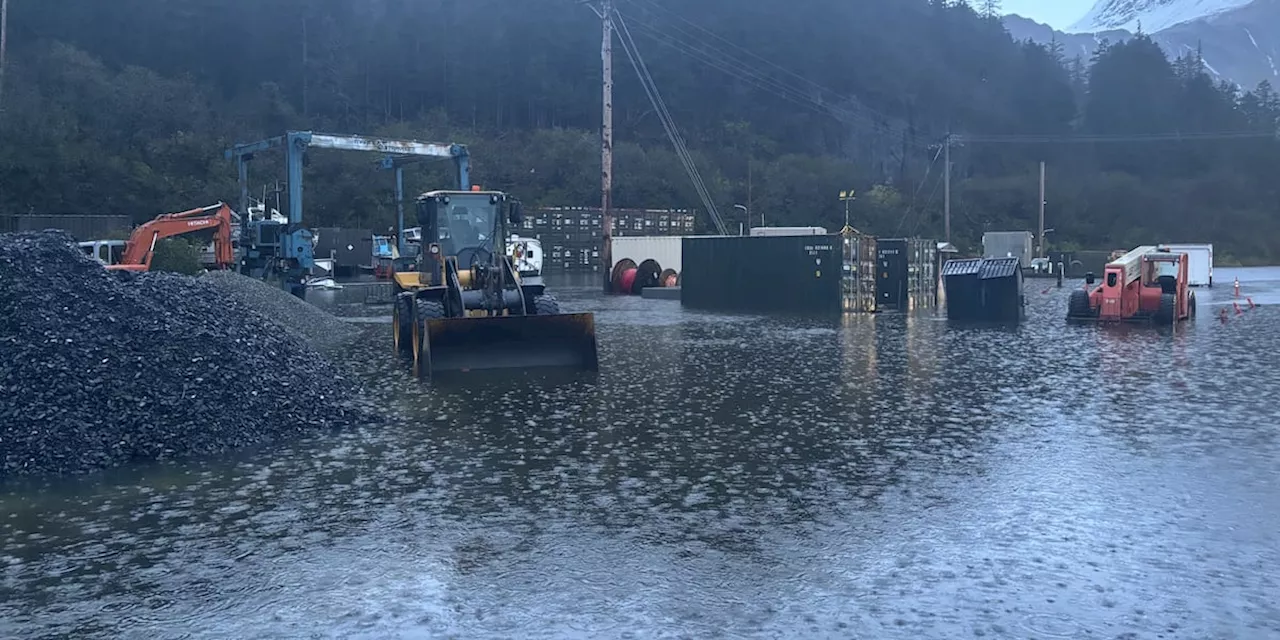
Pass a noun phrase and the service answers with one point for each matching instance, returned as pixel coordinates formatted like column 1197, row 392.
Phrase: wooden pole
column 4, row 44
column 606, row 143
column 946, row 189
column 1040, row 252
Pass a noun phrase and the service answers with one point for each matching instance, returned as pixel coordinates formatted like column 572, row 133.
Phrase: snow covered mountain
column 1239, row 39
column 1151, row 15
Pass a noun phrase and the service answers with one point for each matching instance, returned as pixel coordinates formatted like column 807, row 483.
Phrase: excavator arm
column 141, row 245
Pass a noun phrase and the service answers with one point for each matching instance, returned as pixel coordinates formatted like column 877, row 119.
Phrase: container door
column 893, row 279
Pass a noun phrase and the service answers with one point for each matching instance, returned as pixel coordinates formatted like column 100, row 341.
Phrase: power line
column 733, row 65
column 867, row 111
column 668, row 123
column 914, row 196
column 1119, row 137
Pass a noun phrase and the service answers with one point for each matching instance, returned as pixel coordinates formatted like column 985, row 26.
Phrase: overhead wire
column 733, row 66
column 658, row 8
column 718, row 61
column 915, row 195
column 1171, row 136
column 932, row 195
column 813, row 96
column 668, row 122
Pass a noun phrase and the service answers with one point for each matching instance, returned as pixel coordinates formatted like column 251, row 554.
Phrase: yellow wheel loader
column 466, row 307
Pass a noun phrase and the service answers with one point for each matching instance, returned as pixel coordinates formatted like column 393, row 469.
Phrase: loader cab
column 464, row 224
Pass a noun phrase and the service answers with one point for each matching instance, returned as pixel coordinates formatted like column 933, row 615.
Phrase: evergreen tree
column 127, row 106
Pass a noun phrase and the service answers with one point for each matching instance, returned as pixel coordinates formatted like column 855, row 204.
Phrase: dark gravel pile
column 310, row 322
column 100, row 368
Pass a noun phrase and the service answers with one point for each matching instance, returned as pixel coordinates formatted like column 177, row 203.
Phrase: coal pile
column 101, row 368
column 319, row 327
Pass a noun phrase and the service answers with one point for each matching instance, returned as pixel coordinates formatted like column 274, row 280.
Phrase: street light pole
column 847, row 197
column 746, row 215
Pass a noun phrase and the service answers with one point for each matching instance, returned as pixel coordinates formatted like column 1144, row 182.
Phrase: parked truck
column 1199, row 262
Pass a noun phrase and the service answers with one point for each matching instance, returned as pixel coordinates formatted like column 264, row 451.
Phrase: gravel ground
column 100, row 368
column 321, row 328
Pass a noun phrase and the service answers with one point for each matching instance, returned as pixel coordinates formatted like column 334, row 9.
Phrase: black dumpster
column 964, row 289
column 1002, row 299
column 984, row 290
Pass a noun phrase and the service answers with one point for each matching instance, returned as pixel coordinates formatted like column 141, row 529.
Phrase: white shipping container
column 788, row 231
column 1199, row 262
column 666, row 250
column 1004, row 244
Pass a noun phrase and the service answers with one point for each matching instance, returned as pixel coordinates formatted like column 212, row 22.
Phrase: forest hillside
column 127, row 107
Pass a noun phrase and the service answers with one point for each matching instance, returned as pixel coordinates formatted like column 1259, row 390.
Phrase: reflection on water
column 722, row 476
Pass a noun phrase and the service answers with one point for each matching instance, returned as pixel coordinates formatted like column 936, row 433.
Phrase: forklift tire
column 546, row 305
column 1078, row 305
column 1168, row 311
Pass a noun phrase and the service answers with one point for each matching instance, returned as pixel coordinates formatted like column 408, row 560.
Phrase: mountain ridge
column 1240, row 45
column 1149, row 16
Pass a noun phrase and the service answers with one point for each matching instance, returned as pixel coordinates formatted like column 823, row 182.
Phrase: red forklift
column 1147, row 284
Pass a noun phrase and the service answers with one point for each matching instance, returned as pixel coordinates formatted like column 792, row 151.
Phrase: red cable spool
column 623, row 276
column 628, row 278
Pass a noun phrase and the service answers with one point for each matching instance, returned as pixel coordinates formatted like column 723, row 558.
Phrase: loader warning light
column 475, row 187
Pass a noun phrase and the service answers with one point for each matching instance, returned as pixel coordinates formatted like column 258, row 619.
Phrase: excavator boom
column 141, row 245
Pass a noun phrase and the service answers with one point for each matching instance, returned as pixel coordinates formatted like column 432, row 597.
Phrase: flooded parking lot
column 721, row 477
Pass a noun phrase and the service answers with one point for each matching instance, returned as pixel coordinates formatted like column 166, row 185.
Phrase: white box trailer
column 1199, row 262
column 1008, row 244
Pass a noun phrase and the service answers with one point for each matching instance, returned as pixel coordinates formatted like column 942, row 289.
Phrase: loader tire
column 1078, row 305
column 546, row 305
column 425, row 310
column 401, row 323
column 1168, row 311
column 430, row 309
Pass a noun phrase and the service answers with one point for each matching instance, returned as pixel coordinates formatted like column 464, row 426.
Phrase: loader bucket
column 458, row 345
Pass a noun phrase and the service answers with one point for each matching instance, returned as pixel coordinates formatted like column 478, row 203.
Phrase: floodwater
column 721, row 477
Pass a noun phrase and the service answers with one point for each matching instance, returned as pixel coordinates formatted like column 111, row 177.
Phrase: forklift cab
column 1161, row 270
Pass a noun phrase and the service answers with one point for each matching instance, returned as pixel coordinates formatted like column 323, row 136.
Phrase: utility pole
column 1041, row 253
column 606, row 142
column 946, row 181
column 4, row 42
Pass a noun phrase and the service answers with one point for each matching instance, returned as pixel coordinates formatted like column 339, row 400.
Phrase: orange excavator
column 141, row 246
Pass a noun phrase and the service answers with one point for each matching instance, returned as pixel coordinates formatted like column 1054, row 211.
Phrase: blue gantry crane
column 284, row 250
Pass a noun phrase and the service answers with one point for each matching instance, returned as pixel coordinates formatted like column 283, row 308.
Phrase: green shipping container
column 792, row 274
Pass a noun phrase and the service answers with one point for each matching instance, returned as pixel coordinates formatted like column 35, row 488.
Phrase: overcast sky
column 1058, row 14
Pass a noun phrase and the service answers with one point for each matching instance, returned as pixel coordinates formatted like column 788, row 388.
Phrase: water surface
column 721, row 477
